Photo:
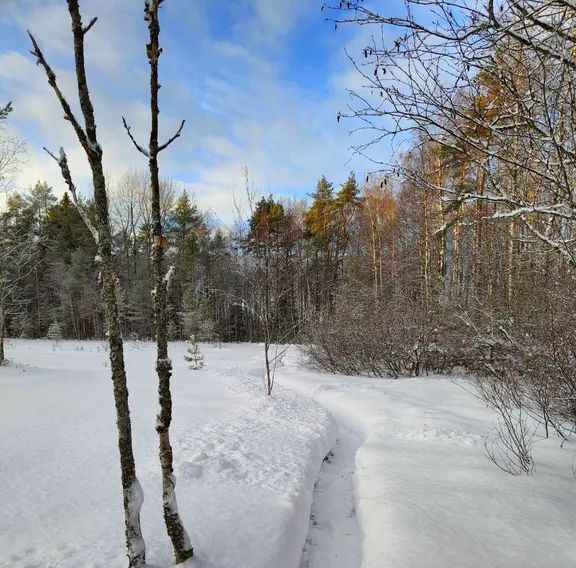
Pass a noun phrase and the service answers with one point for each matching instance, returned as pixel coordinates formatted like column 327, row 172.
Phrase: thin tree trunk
column 442, row 234
column 268, row 370
column 375, row 271
column 457, row 254
column 425, row 254
column 174, row 526
column 132, row 491
column 478, row 233
column 510, row 263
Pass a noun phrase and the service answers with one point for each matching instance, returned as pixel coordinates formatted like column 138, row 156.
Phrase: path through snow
column 427, row 496
column 334, row 539
column 245, row 463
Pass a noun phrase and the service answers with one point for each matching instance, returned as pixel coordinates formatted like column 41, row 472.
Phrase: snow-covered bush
column 524, row 368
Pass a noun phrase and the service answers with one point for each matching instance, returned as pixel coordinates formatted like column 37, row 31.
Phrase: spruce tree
column 194, row 356
column 54, row 332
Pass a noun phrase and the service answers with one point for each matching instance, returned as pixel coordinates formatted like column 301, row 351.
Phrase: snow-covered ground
column 426, row 494
column 245, row 464
column 407, row 483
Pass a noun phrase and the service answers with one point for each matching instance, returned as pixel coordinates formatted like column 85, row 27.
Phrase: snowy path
column 334, row 538
column 426, row 494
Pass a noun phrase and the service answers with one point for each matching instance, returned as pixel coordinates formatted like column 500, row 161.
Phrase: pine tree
column 346, row 206
column 193, row 354
column 54, row 331
column 318, row 216
column 265, row 224
column 349, row 192
column 320, row 225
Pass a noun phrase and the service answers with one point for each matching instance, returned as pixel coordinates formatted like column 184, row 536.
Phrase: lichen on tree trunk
column 132, row 492
column 174, row 526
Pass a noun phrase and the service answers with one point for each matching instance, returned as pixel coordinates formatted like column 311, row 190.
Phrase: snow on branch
column 62, row 162
column 169, row 276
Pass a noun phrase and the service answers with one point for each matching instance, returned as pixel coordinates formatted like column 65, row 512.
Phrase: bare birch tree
column 174, row 526
column 132, row 491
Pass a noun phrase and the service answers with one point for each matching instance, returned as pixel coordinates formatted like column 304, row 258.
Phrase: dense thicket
column 387, row 253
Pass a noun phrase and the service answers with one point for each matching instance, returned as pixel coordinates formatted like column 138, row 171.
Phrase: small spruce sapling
column 54, row 332
column 193, row 354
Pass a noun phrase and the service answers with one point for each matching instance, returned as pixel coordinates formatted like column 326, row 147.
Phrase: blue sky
column 259, row 83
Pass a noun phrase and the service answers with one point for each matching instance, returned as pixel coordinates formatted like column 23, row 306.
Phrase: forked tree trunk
column 174, row 526
column 132, row 491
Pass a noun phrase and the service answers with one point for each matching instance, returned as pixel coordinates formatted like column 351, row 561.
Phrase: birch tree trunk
column 132, row 491
column 174, row 526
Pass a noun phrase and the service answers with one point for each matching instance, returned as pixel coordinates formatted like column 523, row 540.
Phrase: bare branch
column 68, row 114
column 87, row 28
column 177, row 135
column 62, row 162
column 138, row 147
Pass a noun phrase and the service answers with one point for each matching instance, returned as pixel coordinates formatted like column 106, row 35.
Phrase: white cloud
column 270, row 22
column 240, row 105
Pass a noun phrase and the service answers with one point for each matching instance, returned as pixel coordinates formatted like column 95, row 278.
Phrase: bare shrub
column 381, row 339
column 511, row 446
column 525, row 370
